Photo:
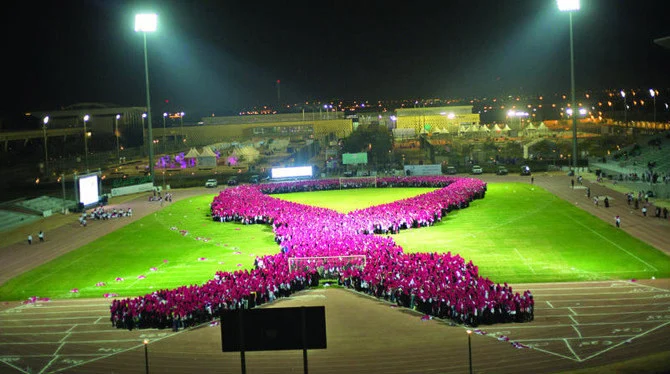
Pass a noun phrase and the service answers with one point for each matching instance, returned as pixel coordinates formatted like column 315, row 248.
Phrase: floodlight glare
column 623, row 94
column 582, row 111
column 46, row 120
column 86, row 117
column 146, row 22
column 118, row 116
column 568, row 111
column 567, row 5
column 652, row 93
column 144, row 115
column 451, row 116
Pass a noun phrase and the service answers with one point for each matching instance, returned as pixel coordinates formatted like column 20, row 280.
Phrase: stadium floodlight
column 571, row 6
column 568, row 5
column 582, row 111
column 144, row 23
column 569, row 111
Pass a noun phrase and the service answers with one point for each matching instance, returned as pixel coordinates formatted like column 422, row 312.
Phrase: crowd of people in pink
column 437, row 284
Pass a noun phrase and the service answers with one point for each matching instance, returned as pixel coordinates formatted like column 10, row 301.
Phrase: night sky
column 218, row 56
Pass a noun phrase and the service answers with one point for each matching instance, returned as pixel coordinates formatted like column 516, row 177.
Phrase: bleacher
column 636, row 160
column 43, row 204
column 10, row 219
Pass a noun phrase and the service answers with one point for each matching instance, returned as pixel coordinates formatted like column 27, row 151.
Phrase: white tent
column 542, row 128
column 506, row 129
column 444, row 131
column 207, row 158
column 496, row 128
column 193, row 153
column 437, row 130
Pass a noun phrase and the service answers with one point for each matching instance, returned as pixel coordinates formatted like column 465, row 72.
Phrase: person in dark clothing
column 607, row 202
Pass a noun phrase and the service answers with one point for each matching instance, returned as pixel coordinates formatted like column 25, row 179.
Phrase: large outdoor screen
column 294, row 172
column 88, row 190
column 354, row 158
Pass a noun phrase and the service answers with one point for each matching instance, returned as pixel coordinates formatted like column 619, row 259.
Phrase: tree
column 374, row 139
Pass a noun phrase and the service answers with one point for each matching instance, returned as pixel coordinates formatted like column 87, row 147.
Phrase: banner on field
column 435, row 169
column 129, row 190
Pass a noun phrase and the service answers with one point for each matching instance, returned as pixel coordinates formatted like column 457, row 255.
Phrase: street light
column 181, row 125
column 652, row 93
column 144, row 133
column 625, row 107
column 116, row 132
column 147, row 23
column 46, row 151
column 86, row 118
column 571, row 6
column 146, row 355
column 470, row 348
column 164, row 143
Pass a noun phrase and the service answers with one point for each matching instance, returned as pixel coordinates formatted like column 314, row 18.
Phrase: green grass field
column 518, row 233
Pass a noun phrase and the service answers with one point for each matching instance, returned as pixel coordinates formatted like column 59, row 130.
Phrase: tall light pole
column 652, row 93
column 164, row 143
column 625, row 107
column 86, row 118
column 571, row 6
column 147, row 23
column 46, row 149
column 116, row 132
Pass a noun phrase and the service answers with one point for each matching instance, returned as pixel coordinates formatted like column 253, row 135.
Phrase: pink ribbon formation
column 444, row 281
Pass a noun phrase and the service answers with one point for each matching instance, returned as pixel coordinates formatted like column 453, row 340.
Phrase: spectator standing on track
column 41, row 236
column 572, row 183
column 617, row 221
column 607, row 202
column 30, row 239
column 644, row 211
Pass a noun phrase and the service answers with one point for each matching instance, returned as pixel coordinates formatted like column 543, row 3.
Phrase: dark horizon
column 216, row 57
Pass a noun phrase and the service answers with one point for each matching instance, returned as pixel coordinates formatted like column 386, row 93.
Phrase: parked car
column 211, row 183
column 476, row 169
column 232, row 181
column 254, row 179
column 525, row 170
column 502, row 170
column 451, row 170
